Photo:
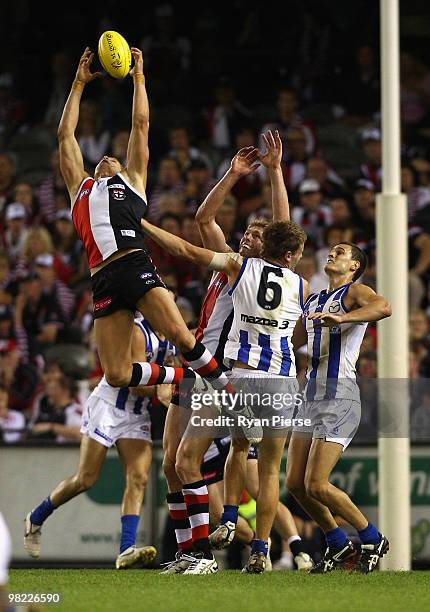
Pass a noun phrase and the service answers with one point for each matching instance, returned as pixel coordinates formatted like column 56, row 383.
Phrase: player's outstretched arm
column 365, row 306
column 138, row 151
column 211, row 233
column 272, row 161
column 229, row 263
column 71, row 161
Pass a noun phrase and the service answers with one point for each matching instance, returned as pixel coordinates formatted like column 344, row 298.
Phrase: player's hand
column 272, row 158
column 138, row 61
column 243, row 162
column 83, row 72
column 326, row 319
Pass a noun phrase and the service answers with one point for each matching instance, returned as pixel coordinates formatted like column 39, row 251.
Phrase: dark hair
column 357, row 255
column 280, row 237
column 169, row 215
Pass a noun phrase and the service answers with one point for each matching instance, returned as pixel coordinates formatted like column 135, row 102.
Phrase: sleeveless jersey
column 216, row 316
column 332, row 351
column 267, row 301
column 106, row 214
column 157, row 351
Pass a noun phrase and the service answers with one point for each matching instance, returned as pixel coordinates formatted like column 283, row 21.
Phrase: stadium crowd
column 201, row 114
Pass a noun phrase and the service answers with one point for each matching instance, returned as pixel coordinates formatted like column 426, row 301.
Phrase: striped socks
column 205, row 364
column 181, row 522
column 147, row 374
column 197, row 502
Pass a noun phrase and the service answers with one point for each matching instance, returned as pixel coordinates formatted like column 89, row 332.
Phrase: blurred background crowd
column 216, row 80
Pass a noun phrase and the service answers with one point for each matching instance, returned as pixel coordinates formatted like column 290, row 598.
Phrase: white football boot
column 201, row 565
column 32, row 537
column 132, row 555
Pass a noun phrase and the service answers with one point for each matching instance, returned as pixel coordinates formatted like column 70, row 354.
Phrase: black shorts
column 121, row 284
column 213, row 470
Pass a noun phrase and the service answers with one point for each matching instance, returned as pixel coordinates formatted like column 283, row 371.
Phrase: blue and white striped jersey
column 157, row 351
column 267, row 301
column 332, row 351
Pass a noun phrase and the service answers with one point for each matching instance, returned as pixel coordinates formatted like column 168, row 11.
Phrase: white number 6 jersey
column 267, row 301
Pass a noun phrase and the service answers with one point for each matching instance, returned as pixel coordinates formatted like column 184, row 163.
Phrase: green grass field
column 106, row 590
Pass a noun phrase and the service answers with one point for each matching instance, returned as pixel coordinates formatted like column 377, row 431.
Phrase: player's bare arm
column 71, row 161
column 230, row 263
column 138, row 151
column 243, row 163
column 364, row 306
column 272, row 161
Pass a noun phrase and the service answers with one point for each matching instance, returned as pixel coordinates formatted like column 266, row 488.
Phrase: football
column 114, row 54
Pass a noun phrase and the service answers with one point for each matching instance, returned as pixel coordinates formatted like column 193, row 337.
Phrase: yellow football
column 114, row 54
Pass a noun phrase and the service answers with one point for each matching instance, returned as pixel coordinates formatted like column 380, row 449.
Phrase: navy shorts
column 121, row 284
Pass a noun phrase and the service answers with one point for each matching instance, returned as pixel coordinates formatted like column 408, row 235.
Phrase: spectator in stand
column 38, row 316
column 228, row 220
column 24, row 194
column 296, row 157
column 419, row 264
column 287, row 118
column 414, row 94
column 307, row 269
column 364, row 202
column 198, row 184
column 340, row 211
column 171, row 203
column 38, row 241
column 181, row 149
column 418, row 196
column 12, row 422
column 359, row 88
column 312, row 214
column 248, row 189
column 15, row 235
column 7, row 283
column 60, row 418
column 330, row 182
column 52, row 287
column 12, row 109
column 367, row 365
column 226, row 117
column 9, row 349
column 68, row 249
column 168, row 182
column 50, row 186
column 170, row 222
column 371, row 169
column 7, row 177
column 93, row 139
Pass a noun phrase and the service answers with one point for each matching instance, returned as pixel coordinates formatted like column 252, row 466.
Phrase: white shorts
column 106, row 424
column 277, row 395
column 334, row 420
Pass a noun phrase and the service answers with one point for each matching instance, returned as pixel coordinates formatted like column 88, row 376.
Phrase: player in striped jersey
column 120, row 417
column 335, row 322
column 107, row 210
column 267, row 298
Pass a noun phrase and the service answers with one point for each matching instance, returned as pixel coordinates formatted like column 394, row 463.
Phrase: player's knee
column 186, row 464
column 136, row 480
column 317, row 490
column 295, row 485
column 85, row 480
column 179, row 335
column 117, row 376
column 168, row 466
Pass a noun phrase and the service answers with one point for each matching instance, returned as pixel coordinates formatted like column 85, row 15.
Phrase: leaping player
column 335, row 321
column 107, row 212
column 268, row 300
column 120, row 417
